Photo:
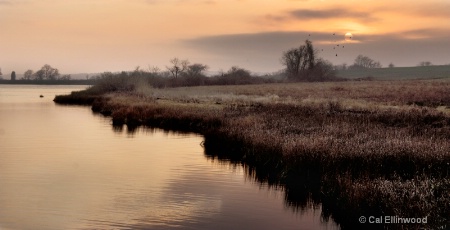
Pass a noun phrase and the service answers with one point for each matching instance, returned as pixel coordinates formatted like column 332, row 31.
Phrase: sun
column 348, row 36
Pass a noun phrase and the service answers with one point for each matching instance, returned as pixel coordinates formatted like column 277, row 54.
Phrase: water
column 63, row 167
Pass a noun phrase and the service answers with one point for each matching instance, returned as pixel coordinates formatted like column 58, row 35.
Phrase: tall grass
column 355, row 147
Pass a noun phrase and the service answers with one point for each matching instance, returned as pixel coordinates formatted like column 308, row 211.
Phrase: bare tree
column 299, row 60
column 154, row 69
column 178, row 67
column 65, row 77
column 362, row 61
column 28, row 75
column 47, row 73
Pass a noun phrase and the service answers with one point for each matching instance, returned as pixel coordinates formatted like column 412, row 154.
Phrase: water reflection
column 61, row 167
column 302, row 189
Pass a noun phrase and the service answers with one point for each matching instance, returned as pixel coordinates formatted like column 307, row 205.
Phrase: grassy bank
column 357, row 148
column 397, row 73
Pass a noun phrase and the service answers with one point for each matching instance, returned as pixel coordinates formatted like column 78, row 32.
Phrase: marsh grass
column 357, row 148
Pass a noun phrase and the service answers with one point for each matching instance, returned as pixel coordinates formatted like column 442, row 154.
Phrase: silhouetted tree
column 13, row 76
column 425, row 63
column 323, row 70
column 362, row 61
column 302, row 65
column 342, row 66
column 391, row 65
column 178, row 67
column 196, row 70
column 65, row 77
column 298, row 61
column 194, row 75
column 28, row 75
column 47, row 73
column 234, row 76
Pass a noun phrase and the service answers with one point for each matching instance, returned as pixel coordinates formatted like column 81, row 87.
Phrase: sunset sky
column 89, row 36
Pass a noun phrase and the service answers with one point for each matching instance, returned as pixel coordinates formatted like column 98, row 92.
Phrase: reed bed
column 364, row 147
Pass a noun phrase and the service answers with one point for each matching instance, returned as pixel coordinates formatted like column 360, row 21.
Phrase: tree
column 323, row 70
column 65, row 77
column 28, row 75
column 425, row 63
column 47, row 73
column 391, row 65
column 196, row 70
column 178, row 67
column 298, row 61
column 342, row 66
column 238, row 72
column 362, row 61
column 13, row 76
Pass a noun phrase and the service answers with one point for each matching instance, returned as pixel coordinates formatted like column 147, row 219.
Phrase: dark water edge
column 304, row 182
column 304, row 186
column 48, row 82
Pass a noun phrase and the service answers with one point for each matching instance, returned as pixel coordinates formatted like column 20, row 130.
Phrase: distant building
column 13, row 76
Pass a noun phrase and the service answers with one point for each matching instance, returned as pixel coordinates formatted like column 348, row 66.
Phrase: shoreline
column 346, row 150
column 48, row 82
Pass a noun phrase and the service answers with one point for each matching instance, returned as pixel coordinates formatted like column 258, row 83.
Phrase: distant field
column 398, row 73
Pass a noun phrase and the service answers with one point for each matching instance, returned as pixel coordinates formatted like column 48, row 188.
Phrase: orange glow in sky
column 112, row 35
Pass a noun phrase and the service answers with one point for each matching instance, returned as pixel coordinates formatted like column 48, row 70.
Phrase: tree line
column 45, row 73
column 300, row 64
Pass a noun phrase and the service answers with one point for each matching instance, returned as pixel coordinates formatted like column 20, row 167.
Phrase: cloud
column 5, row 2
column 11, row 2
column 153, row 2
column 304, row 14
column 257, row 51
column 438, row 9
column 425, row 33
column 326, row 14
column 263, row 50
column 255, row 43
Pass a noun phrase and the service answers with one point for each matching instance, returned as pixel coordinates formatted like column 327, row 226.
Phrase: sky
column 92, row 36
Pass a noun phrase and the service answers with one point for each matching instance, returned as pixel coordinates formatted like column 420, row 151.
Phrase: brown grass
column 362, row 145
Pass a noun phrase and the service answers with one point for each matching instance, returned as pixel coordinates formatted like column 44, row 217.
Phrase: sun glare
column 348, row 37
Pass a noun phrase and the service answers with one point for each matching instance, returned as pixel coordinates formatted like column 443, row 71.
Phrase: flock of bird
column 337, row 45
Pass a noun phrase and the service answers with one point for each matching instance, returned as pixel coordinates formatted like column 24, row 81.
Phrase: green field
column 397, row 73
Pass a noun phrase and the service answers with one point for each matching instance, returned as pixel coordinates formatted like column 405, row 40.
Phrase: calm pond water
column 63, row 167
